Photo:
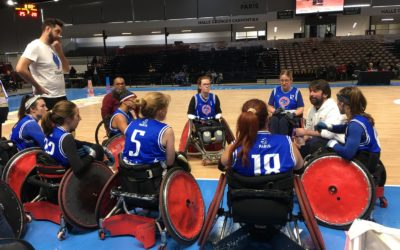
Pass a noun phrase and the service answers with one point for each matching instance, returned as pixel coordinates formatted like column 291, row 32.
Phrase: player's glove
column 322, row 125
column 290, row 115
column 279, row 111
column 90, row 151
column 331, row 143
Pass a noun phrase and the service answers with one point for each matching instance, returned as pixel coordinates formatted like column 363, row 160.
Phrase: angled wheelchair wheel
column 17, row 171
column 13, row 210
column 339, row 191
column 15, row 244
column 115, row 145
column 185, row 137
column 100, row 134
column 181, row 206
column 78, row 196
column 229, row 135
column 308, row 215
column 212, row 211
column 106, row 202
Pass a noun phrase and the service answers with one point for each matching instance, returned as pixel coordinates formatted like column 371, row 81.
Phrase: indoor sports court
column 207, row 176
column 165, row 46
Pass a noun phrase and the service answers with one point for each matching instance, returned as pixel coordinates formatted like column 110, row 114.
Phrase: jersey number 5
column 266, row 163
column 136, row 142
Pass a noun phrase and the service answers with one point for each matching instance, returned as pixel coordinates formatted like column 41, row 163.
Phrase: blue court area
column 75, row 93
column 43, row 235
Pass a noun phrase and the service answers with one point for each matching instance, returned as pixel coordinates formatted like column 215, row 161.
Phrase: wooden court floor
column 381, row 104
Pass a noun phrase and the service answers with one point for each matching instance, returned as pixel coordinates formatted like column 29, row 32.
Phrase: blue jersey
column 27, row 133
column 369, row 138
column 290, row 100
column 205, row 108
column 143, row 142
column 270, row 154
column 115, row 131
column 53, row 145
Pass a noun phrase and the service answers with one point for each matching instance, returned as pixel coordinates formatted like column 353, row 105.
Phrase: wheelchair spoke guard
column 78, row 196
column 182, row 206
column 116, row 145
column 339, row 191
column 18, row 169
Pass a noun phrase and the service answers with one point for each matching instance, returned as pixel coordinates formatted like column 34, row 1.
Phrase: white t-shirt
column 328, row 113
column 46, row 68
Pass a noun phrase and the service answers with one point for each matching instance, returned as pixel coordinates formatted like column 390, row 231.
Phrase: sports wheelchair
column 170, row 199
column 206, row 138
column 50, row 192
column 261, row 207
column 288, row 119
column 341, row 191
column 114, row 146
column 101, row 133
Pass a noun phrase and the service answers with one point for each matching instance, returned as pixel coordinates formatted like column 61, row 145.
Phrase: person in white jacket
column 324, row 109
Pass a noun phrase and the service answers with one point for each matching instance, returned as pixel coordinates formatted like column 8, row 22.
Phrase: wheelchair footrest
column 142, row 228
column 43, row 210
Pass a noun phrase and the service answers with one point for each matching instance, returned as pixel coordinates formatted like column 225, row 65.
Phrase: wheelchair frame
column 216, row 210
column 113, row 201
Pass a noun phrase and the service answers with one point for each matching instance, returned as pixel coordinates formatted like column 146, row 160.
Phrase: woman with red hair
column 256, row 151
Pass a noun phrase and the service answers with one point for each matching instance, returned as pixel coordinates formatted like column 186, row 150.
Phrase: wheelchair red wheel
column 212, row 211
column 308, row 215
column 78, row 196
column 182, row 206
column 106, row 202
column 115, row 145
column 339, row 191
column 18, row 169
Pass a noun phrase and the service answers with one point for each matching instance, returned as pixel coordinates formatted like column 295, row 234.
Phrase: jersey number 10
column 265, row 163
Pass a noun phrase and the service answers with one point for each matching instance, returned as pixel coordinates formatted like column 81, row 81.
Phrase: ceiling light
column 11, row 3
column 97, row 34
column 185, row 31
column 275, row 29
column 354, row 25
column 156, row 32
column 357, row 5
column 248, row 27
column 385, row 6
column 387, row 19
column 126, row 33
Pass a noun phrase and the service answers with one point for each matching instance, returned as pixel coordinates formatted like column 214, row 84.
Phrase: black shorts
column 51, row 101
